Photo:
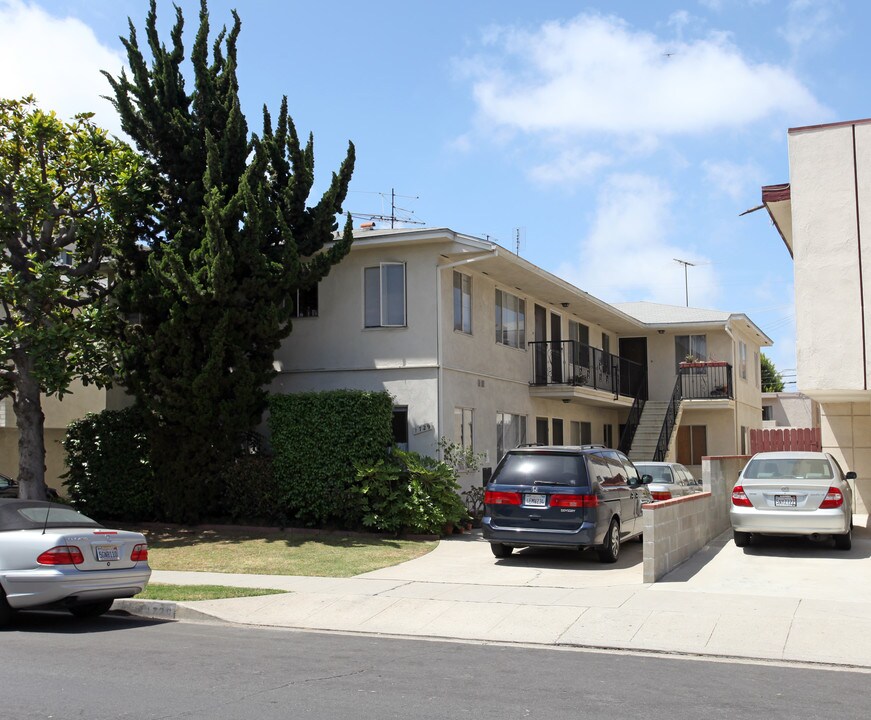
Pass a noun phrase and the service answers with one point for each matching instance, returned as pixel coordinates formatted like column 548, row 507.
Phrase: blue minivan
column 564, row 496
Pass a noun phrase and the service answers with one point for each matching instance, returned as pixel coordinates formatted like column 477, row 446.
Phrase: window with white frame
column 742, row 359
column 510, row 320
column 462, row 303
column 384, row 295
column 463, row 428
column 510, row 432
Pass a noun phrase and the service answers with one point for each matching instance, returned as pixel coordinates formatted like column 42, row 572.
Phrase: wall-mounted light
column 564, row 304
column 661, row 332
column 566, row 401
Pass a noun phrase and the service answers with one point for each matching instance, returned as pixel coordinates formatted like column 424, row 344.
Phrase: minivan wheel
column 844, row 542
column 609, row 551
column 500, row 550
column 742, row 539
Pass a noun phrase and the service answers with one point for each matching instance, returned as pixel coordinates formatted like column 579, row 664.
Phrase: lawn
column 277, row 553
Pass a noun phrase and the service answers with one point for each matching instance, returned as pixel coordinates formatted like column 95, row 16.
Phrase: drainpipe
column 734, row 381
column 492, row 252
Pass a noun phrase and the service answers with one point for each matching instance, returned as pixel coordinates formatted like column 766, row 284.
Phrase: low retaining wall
column 674, row 530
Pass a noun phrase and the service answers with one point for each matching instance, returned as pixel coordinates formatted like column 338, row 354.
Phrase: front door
column 632, row 377
column 539, row 357
column 556, row 348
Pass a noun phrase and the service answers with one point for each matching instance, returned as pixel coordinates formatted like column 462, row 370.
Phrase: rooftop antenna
column 519, row 239
column 685, row 263
column 392, row 218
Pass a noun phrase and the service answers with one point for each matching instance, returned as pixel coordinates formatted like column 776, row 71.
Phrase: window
column 400, row 427
column 541, row 431
column 510, row 432
column 608, row 435
column 742, row 359
column 462, row 303
column 558, row 432
column 306, row 303
column 606, row 345
column 767, row 412
column 384, row 295
column 743, row 439
column 463, row 427
column 757, row 371
column 689, row 346
column 692, row 444
column 579, row 332
column 510, row 320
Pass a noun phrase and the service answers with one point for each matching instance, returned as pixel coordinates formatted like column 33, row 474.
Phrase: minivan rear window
column 557, row 468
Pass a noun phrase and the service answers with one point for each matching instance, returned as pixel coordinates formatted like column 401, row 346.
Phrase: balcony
column 706, row 380
column 566, row 369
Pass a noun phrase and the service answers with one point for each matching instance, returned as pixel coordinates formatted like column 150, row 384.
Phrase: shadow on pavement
column 61, row 622
column 631, row 555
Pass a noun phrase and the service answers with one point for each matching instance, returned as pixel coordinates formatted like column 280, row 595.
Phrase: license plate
column 535, row 500
column 106, row 553
column 784, row 501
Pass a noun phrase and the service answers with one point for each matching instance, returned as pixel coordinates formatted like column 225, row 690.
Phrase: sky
column 603, row 141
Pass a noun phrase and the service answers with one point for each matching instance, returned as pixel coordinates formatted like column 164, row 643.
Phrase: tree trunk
column 27, row 404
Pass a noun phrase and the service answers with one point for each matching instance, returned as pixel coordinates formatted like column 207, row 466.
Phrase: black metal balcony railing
column 705, row 380
column 568, row 362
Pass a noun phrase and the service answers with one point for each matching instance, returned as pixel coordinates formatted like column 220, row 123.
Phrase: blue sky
column 612, row 137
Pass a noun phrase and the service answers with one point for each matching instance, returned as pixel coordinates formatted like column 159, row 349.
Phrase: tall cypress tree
column 210, row 289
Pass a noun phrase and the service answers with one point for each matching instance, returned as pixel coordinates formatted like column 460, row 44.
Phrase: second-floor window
column 689, row 347
column 462, row 303
column 742, row 359
column 510, row 320
column 384, row 295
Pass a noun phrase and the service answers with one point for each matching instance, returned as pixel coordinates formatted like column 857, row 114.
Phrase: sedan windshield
column 798, row 468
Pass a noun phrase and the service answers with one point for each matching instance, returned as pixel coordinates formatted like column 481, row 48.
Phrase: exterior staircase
column 648, row 431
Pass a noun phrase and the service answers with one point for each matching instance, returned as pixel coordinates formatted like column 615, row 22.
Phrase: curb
column 167, row 610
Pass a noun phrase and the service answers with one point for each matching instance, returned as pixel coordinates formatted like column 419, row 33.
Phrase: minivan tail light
column 660, row 495
column 739, row 497
column 833, row 499
column 140, row 553
column 585, row 501
column 62, row 555
column 496, row 497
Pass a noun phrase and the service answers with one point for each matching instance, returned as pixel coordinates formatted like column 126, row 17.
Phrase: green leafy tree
column 68, row 194
column 772, row 381
column 213, row 283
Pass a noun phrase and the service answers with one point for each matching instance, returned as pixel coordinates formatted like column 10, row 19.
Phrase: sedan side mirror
column 646, row 479
column 850, row 475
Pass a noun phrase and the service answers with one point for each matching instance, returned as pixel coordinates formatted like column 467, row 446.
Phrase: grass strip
column 182, row 593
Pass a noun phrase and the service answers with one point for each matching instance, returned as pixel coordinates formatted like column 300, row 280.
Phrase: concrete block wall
column 676, row 529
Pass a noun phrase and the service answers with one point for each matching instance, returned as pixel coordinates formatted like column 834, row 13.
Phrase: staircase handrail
column 634, row 418
column 668, row 422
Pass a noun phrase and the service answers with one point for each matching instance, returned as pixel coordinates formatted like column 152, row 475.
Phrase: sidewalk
column 782, row 601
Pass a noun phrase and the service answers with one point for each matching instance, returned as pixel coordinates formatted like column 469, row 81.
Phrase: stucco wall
column 846, row 434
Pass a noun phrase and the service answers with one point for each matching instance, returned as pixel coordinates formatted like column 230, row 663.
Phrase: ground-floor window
column 692, row 444
column 542, row 434
column 463, row 428
column 608, row 435
column 558, row 438
column 400, row 426
column 510, row 432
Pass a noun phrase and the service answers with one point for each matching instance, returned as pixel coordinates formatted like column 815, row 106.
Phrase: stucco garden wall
column 846, row 434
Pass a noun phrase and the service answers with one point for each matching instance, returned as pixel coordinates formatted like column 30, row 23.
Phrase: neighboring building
column 789, row 410
column 484, row 348
column 822, row 216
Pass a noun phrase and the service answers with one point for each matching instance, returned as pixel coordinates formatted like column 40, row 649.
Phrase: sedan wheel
column 742, row 539
column 609, row 552
column 91, row 609
column 500, row 550
column 844, row 542
column 5, row 611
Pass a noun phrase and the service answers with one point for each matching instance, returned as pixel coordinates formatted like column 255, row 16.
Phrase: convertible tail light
column 833, row 499
column 739, row 497
column 140, row 553
column 585, row 501
column 660, row 495
column 61, row 555
column 494, row 497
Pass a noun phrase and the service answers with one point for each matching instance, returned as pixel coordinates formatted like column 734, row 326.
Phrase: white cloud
column 810, row 24
column 58, row 60
column 571, row 165
column 626, row 255
column 735, row 180
column 596, row 74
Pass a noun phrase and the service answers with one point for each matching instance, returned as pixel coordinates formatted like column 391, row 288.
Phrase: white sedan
column 53, row 556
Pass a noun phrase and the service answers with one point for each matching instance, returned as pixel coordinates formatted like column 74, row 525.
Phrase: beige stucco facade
column 824, row 217
column 433, row 370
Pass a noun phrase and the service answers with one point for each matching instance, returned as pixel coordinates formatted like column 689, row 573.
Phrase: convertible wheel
column 5, row 611
column 742, row 539
column 91, row 609
column 609, row 551
column 500, row 550
column 844, row 542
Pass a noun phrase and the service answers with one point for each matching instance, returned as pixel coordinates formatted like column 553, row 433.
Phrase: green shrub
column 408, row 493
column 246, row 492
column 109, row 476
column 316, row 439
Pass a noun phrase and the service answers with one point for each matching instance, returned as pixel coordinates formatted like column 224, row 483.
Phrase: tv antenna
column 685, row 263
column 519, row 239
column 405, row 218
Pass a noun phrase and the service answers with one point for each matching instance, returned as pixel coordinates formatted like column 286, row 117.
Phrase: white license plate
column 106, row 553
column 784, row 501
column 535, row 500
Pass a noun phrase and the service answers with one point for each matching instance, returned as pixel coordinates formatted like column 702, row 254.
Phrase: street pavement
column 777, row 600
